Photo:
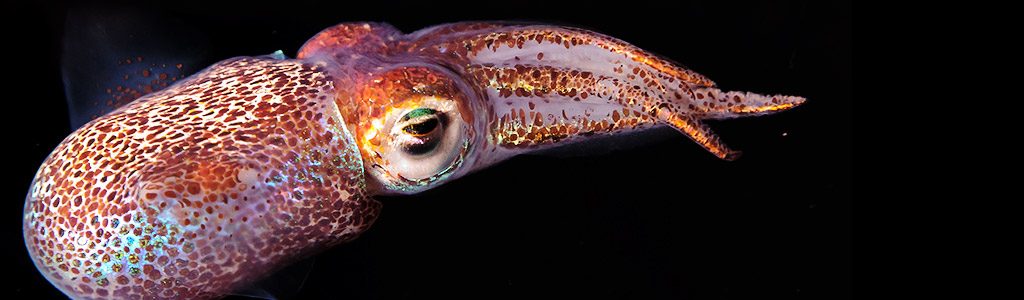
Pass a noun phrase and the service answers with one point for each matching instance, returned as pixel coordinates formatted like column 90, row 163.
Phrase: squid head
column 255, row 162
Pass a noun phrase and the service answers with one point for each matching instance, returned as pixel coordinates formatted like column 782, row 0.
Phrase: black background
column 662, row 221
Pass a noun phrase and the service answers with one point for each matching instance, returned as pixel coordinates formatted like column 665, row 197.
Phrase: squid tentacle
column 613, row 86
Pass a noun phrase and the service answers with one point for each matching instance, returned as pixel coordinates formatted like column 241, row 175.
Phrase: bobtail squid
column 255, row 162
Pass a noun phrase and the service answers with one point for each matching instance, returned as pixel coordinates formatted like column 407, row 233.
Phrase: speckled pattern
column 187, row 192
column 253, row 163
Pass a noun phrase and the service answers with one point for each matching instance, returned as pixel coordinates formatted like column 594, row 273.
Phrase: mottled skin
column 253, row 163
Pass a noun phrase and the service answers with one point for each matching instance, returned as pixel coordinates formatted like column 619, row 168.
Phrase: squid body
column 255, row 162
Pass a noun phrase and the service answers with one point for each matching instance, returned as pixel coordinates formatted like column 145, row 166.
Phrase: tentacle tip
column 797, row 100
column 731, row 155
column 785, row 103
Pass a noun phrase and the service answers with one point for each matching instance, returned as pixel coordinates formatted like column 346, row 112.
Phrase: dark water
column 664, row 221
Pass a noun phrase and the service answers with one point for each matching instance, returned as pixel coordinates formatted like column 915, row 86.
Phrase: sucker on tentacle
column 255, row 162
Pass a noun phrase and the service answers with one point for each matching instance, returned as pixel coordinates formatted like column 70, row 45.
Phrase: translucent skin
column 253, row 163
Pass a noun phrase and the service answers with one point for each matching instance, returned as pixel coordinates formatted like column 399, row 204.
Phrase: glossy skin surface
column 253, row 163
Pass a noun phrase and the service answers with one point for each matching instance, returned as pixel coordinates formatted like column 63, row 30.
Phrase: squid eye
column 423, row 143
column 423, row 130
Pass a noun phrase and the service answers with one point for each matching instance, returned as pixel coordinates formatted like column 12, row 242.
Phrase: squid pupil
column 428, row 122
column 421, row 128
